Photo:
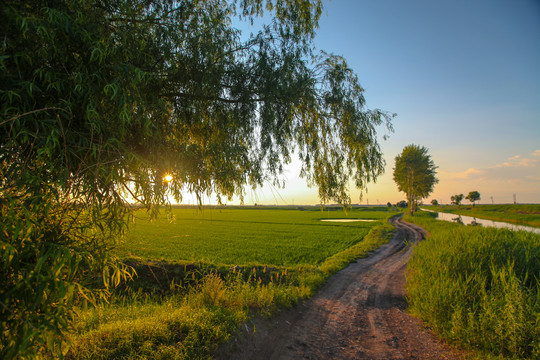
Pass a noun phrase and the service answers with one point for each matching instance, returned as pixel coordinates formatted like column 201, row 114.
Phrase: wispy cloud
column 528, row 162
column 518, row 174
column 518, row 161
column 517, row 166
column 467, row 174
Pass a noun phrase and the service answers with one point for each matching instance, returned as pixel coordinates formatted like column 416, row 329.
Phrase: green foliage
column 402, row 204
column 456, row 199
column 473, row 197
column 100, row 99
column 415, row 174
column 153, row 87
column 478, row 287
column 51, row 255
column 434, row 202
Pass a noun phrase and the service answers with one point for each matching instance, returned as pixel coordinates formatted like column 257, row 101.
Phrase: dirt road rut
column 358, row 314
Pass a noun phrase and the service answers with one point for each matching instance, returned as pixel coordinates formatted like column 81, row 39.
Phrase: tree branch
column 214, row 98
column 15, row 117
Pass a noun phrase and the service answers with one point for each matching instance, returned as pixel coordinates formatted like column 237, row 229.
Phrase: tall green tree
column 415, row 174
column 100, row 99
column 473, row 197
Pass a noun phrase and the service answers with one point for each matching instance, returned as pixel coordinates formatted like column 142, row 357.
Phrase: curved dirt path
column 358, row 314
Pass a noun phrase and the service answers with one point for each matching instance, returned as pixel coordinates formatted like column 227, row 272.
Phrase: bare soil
column 358, row 314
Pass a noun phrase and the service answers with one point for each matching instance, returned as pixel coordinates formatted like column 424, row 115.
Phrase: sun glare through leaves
column 168, row 178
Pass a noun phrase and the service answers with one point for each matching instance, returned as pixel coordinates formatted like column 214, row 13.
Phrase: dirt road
column 358, row 314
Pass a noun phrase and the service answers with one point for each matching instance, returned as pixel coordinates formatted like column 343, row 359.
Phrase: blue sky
column 464, row 79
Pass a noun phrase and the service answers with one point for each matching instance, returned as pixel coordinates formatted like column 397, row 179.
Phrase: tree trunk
column 411, row 196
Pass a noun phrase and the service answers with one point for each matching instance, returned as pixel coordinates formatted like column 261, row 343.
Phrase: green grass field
column 246, row 236
column 203, row 274
column 526, row 214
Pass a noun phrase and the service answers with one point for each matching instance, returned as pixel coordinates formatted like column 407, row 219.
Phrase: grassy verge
column 478, row 287
column 526, row 214
column 196, row 308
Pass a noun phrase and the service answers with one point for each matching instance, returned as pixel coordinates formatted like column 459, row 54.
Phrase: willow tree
column 415, row 174
column 100, row 99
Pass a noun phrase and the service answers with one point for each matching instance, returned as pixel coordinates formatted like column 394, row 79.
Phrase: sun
column 168, row 178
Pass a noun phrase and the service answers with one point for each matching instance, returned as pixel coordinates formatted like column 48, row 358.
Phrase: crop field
column 247, row 236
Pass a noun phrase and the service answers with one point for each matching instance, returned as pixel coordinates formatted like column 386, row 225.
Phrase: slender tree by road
column 415, row 174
